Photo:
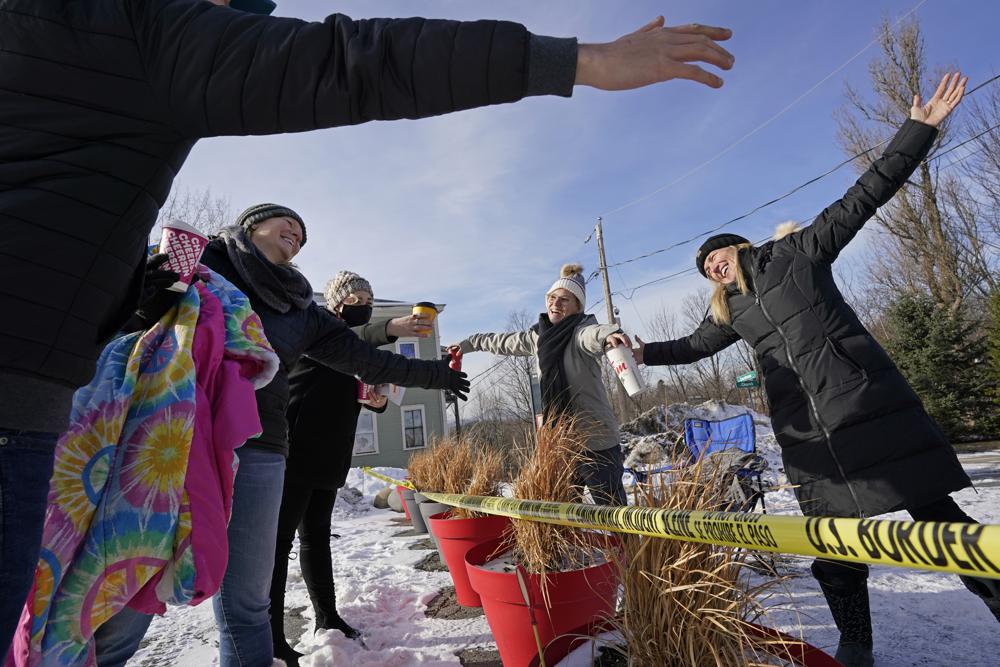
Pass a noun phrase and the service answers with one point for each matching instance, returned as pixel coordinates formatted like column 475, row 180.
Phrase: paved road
column 983, row 467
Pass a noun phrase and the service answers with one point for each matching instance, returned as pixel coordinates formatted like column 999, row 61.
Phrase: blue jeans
column 242, row 603
column 26, row 459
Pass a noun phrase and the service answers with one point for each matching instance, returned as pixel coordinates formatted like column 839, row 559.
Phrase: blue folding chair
column 705, row 438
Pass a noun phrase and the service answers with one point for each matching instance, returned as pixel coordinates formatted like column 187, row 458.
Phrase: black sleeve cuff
column 913, row 138
column 652, row 354
column 551, row 65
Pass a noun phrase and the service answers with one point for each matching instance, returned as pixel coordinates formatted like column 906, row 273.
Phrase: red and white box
column 184, row 244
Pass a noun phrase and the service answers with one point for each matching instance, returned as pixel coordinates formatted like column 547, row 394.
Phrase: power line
column 757, row 129
column 800, row 187
column 693, row 270
column 489, row 370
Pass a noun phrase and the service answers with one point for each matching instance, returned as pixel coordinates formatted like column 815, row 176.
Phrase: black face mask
column 355, row 316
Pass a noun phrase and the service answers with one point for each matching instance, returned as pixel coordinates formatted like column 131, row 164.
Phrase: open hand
column 947, row 96
column 653, row 54
column 458, row 383
column 637, row 352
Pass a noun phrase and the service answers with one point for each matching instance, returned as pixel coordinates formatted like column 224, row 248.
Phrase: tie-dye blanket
column 129, row 521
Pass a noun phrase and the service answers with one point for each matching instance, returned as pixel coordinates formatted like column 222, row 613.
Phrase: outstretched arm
column 516, row 344
column 333, row 344
column 217, row 71
column 840, row 222
column 708, row 339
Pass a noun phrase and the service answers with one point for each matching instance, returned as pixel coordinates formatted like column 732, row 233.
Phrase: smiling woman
column 569, row 346
column 255, row 254
column 855, row 438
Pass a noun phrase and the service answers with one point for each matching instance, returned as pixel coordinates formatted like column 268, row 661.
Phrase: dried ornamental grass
column 550, row 474
column 427, row 467
column 485, row 479
column 686, row 603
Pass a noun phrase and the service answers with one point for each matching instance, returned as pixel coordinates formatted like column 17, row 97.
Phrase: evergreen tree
column 945, row 361
column 993, row 344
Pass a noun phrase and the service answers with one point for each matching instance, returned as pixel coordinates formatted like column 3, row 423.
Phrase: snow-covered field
column 921, row 618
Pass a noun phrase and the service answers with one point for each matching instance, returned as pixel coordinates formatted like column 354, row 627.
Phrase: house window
column 414, row 432
column 408, row 348
column 366, row 436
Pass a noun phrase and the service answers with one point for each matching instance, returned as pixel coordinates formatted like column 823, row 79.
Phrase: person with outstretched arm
column 255, row 255
column 100, row 105
column 569, row 346
column 855, row 438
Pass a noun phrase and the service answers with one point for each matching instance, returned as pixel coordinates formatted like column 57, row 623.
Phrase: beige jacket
column 583, row 361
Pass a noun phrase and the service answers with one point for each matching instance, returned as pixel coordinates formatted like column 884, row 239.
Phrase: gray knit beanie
column 343, row 284
column 261, row 212
column 571, row 278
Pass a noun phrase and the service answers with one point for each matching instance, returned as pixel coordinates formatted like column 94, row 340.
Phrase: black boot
column 285, row 652
column 333, row 621
column 988, row 590
column 845, row 587
column 279, row 644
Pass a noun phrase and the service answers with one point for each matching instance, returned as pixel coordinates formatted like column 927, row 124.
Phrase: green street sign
column 747, row 380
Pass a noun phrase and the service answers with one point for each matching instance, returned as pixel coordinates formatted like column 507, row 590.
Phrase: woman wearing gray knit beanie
column 569, row 348
column 322, row 414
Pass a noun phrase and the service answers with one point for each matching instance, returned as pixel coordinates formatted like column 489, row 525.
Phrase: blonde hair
column 720, row 299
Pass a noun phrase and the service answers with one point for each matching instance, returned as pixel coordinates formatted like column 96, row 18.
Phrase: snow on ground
column 921, row 618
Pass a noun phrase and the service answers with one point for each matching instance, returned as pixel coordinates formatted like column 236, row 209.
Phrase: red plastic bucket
column 577, row 598
column 794, row 650
column 797, row 652
column 455, row 538
column 399, row 492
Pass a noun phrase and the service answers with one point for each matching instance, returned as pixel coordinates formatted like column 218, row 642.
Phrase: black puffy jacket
column 323, row 414
column 854, row 436
column 317, row 332
column 102, row 100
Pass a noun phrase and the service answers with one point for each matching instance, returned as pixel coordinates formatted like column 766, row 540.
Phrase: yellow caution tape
column 960, row 548
column 385, row 478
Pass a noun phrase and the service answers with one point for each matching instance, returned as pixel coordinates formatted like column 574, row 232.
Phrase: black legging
column 844, row 575
column 307, row 509
column 601, row 472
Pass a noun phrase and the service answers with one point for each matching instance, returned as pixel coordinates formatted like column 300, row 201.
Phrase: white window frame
column 416, row 346
column 374, row 434
column 423, row 424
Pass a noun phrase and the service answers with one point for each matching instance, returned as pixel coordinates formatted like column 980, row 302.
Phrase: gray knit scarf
column 279, row 286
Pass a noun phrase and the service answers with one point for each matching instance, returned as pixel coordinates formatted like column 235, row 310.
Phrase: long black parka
column 854, row 436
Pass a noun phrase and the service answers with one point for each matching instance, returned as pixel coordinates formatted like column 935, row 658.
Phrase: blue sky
column 479, row 209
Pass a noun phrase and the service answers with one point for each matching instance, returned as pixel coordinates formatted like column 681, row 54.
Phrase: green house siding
column 389, row 424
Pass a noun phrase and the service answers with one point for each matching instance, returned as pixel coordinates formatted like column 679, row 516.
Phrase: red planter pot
column 796, row 651
column 577, row 598
column 455, row 538
column 399, row 492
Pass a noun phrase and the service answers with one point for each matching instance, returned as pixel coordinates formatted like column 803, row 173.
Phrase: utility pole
column 618, row 391
column 458, row 421
column 604, row 273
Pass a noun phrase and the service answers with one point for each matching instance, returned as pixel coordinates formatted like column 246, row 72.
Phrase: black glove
column 458, row 383
column 156, row 299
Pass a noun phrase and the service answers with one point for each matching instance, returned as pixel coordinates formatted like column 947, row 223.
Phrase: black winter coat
column 324, row 337
column 102, row 100
column 854, row 436
column 323, row 414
